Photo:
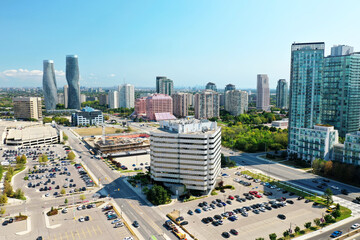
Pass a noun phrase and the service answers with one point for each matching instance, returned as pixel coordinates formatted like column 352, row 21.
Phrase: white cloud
column 112, row 75
column 19, row 77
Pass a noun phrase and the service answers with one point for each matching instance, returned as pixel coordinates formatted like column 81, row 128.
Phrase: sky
column 190, row 42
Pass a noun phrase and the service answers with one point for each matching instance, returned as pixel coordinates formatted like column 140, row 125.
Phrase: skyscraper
column 341, row 90
column 282, row 94
column 66, row 96
column 126, row 96
column 211, row 86
column 164, row 85
column 72, row 77
column 180, row 104
column 305, row 103
column 229, row 87
column 236, row 102
column 263, row 93
column 113, row 99
column 49, row 85
column 207, row 104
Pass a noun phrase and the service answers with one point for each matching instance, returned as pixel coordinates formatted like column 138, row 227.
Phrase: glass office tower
column 282, row 94
column 49, row 85
column 341, row 92
column 72, row 77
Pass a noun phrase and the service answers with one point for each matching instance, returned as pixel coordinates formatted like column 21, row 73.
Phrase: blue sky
column 191, row 42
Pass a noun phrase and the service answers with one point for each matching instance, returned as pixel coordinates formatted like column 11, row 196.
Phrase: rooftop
column 28, row 133
column 187, row 126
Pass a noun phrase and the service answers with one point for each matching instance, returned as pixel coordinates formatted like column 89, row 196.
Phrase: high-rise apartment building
column 27, row 107
column 66, row 96
column 82, row 98
column 49, row 85
column 60, row 98
column 164, row 85
column 341, row 50
column 159, row 106
column 282, row 94
column 236, row 102
column 211, row 86
column 186, row 152
column 140, row 107
column 72, row 77
column 113, row 99
column 229, row 87
column 126, row 96
column 207, row 104
column 180, row 104
column 104, row 99
column 305, row 97
column 263, row 92
column 341, row 91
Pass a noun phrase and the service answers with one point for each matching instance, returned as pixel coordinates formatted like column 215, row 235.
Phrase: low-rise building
column 283, row 123
column 187, row 152
column 310, row 144
column 33, row 135
column 87, row 116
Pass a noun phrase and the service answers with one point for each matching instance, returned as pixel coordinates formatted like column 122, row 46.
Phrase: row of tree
column 337, row 170
column 253, row 139
column 252, row 117
column 58, row 120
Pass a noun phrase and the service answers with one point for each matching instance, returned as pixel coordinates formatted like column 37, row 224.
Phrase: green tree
column 19, row 194
column 158, row 195
column 259, row 239
column 62, row 192
column 65, row 137
column 336, row 213
column 71, row 155
column 272, row 236
column 297, row 229
column 286, row 233
column 3, row 198
column 66, row 201
column 82, row 197
column 2, row 211
column 8, row 189
column 317, row 221
column 23, row 159
column 328, row 196
column 307, row 225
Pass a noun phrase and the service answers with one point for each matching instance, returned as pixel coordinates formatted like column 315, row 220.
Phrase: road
column 131, row 204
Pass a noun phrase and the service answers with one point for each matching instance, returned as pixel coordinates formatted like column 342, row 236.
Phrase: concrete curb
column 28, row 227
column 47, row 223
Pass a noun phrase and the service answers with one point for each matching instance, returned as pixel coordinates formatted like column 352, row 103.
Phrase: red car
column 231, row 197
column 253, row 192
column 257, row 195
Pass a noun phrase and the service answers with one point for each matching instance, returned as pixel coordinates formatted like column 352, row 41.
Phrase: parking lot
column 96, row 226
column 12, row 225
column 240, row 213
column 138, row 162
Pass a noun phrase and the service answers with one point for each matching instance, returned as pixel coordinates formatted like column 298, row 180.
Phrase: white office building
column 126, row 95
column 187, row 152
column 113, row 99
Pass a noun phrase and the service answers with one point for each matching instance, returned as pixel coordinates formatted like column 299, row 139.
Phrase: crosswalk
column 348, row 204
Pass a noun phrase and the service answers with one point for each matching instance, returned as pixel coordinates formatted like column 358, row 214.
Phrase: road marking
column 72, row 234
column 67, row 237
column 78, row 234
column 83, row 232
column 99, row 229
column 88, row 231
column 93, row 229
column 60, row 236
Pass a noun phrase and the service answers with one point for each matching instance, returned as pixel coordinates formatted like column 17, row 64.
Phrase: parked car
column 282, row 216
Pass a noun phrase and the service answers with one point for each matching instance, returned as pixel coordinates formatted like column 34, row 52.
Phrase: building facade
column 113, row 99
column 236, row 102
column 312, row 143
column 207, row 104
column 49, row 85
column 187, row 153
column 87, row 116
column 229, row 87
column 282, row 94
column 341, row 91
column 164, row 85
column 158, row 103
column 140, row 106
column 72, row 77
column 104, row 99
column 27, row 108
column 66, row 96
column 180, row 104
column 352, row 148
column 126, row 96
column 211, row 86
column 82, row 98
column 263, row 93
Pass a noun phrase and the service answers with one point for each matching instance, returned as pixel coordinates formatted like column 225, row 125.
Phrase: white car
column 46, row 195
column 355, row 226
column 119, row 224
column 64, row 210
column 262, row 209
column 81, row 219
column 335, row 187
column 115, row 221
column 79, row 208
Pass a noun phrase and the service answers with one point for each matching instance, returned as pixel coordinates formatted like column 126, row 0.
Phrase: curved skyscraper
column 72, row 77
column 49, row 85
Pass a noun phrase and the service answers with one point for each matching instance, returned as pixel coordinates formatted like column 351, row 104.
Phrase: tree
column 19, row 194
column 43, row 159
column 2, row 211
column 328, row 168
column 71, row 155
column 328, row 196
column 3, row 198
column 8, row 189
column 297, row 229
column 66, row 201
column 158, row 195
column 317, row 221
column 286, row 233
column 23, row 159
column 307, row 225
column 62, row 192
column 336, row 213
column 329, row 219
column 338, row 206
column 259, row 239
column 82, row 197
column 272, row 236
column 65, row 137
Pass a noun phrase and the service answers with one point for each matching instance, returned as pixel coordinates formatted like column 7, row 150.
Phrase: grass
column 191, row 198
column 283, row 161
column 96, row 131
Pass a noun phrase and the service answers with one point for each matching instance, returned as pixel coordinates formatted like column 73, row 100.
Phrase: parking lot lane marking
column 67, row 237
column 99, row 229
column 83, row 232
column 60, row 236
column 72, row 234
column 78, row 234
column 94, row 230
column 88, row 231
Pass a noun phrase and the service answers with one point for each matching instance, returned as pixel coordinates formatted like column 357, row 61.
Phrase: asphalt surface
column 131, row 204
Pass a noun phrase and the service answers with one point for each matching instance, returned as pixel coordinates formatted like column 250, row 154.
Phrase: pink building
column 140, row 106
column 155, row 107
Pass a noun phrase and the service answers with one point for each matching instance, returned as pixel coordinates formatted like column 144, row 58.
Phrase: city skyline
column 188, row 55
